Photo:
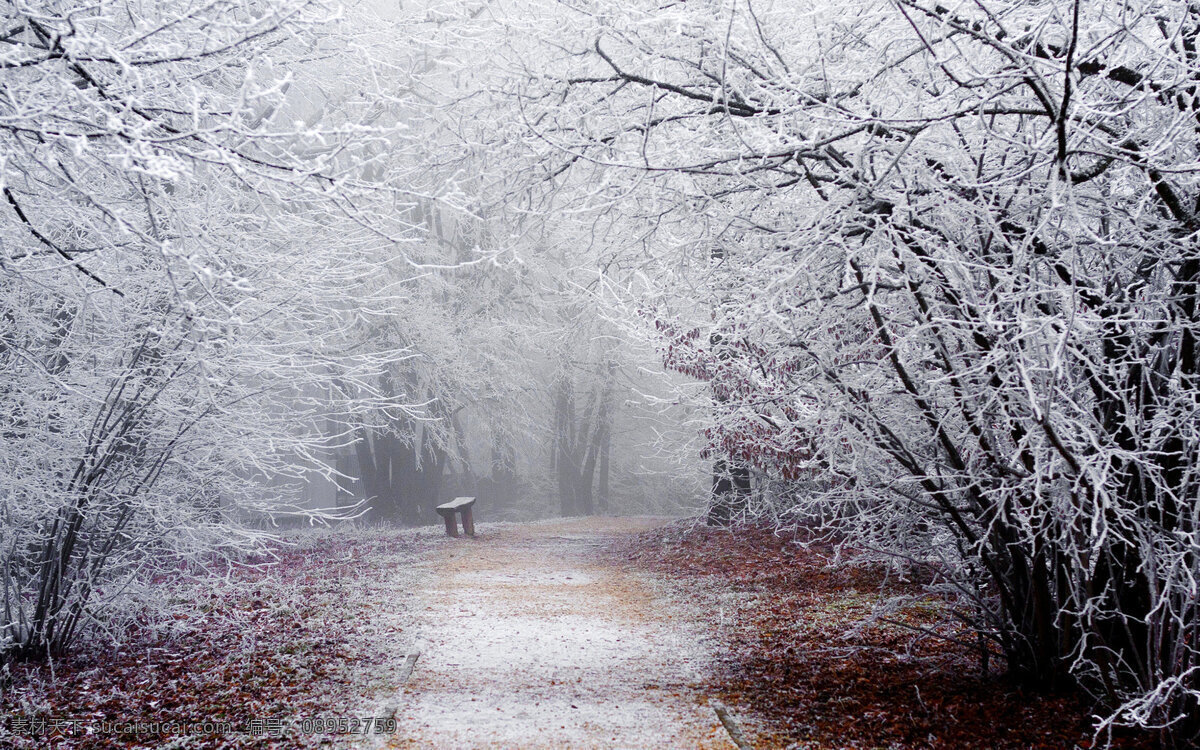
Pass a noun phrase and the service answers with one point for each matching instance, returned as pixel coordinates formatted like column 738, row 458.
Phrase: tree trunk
column 567, row 469
column 731, row 489
column 602, row 489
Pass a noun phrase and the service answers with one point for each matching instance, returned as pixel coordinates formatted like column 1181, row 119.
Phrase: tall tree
column 173, row 325
column 966, row 300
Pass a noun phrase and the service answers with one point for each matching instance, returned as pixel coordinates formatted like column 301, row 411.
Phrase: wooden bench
column 458, row 505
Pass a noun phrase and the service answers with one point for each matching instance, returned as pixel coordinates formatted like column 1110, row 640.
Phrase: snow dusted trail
column 532, row 639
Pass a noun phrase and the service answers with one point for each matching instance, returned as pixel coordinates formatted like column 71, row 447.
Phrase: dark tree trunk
column 731, row 477
column 602, row 489
column 581, row 446
column 731, row 489
column 564, row 449
column 368, row 473
column 397, row 487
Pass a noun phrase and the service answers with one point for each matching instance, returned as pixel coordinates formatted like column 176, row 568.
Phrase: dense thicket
column 939, row 266
column 173, row 331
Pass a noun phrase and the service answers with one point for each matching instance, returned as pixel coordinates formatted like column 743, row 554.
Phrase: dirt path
column 531, row 639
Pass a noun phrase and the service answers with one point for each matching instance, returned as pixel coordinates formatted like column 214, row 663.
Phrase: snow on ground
column 531, row 639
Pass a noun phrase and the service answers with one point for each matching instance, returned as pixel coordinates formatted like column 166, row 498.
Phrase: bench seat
column 460, row 505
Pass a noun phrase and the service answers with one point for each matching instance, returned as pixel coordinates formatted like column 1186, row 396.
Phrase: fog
column 915, row 280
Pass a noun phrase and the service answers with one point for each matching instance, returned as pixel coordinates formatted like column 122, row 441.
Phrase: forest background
column 920, row 277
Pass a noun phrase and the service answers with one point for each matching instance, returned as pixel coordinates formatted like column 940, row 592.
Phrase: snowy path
column 531, row 640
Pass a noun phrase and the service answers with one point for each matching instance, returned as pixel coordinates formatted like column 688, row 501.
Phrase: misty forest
column 791, row 373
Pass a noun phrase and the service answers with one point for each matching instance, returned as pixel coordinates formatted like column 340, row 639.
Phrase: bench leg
column 468, row 522
column 451, row 524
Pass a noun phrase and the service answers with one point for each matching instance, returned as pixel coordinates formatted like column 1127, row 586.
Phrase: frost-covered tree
column 955, row 296
column 195, row 203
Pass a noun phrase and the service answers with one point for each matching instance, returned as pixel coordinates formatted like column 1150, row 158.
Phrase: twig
column 12, row 201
